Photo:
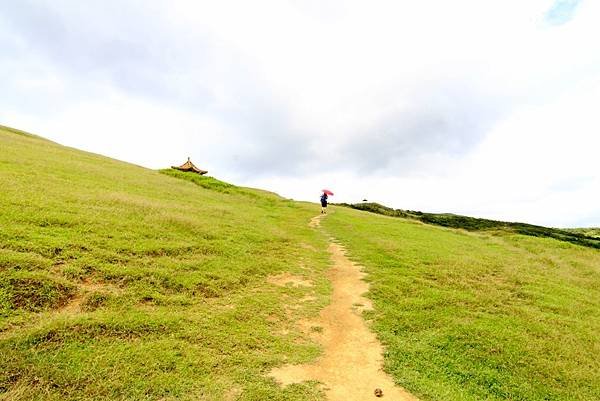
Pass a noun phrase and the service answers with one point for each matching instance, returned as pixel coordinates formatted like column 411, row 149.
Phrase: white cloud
column 466, row 106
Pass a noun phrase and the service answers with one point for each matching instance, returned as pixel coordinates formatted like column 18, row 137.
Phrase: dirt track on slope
column 350, row 367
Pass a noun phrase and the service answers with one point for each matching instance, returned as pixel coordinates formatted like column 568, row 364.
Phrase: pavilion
column 189, row 166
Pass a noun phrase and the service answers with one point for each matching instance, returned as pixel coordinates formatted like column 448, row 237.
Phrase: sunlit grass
column 469, row 316
column 119, row 282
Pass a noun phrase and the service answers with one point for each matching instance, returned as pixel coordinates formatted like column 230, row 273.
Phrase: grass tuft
column 33, row 291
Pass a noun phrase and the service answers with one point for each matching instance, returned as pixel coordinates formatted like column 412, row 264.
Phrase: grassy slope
column 580, row 236
column 117, row 282
column 479, row 316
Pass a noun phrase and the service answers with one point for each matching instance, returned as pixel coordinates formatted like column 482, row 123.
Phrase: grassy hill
column 484, row 315
column 119, row 282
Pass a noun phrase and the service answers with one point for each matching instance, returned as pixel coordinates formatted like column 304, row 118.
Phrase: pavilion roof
column 189, row 166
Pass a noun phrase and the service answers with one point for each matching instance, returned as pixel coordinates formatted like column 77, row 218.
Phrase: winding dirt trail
column 351, row 365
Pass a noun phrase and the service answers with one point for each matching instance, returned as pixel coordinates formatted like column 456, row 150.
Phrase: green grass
column 123, row 283
column 585, row 237
column 479, row 316
column 118, row 282
column 209, row 182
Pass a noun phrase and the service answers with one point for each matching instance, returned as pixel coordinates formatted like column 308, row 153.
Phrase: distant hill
column 589, row 232
column 584, row 237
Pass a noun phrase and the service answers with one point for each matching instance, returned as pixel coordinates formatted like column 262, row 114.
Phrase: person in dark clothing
column 324, row 203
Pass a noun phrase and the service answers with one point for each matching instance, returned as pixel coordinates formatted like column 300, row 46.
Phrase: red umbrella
column 328, row 192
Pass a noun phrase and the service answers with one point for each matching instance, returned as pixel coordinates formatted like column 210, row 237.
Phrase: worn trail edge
column 351, row 365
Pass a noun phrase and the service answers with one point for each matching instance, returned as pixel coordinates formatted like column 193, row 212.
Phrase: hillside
column 483, row 315
column 119, row 282
column 580, row 236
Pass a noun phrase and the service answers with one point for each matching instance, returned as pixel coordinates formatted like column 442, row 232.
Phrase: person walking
column 324, row 203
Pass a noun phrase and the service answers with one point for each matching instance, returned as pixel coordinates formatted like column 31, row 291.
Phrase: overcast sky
column 484, row 108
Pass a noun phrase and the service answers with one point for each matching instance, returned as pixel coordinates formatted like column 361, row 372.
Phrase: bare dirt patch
column 233, row 394
column 308, row 298
column 350, row 367
column 86, row 288
column 285, row 279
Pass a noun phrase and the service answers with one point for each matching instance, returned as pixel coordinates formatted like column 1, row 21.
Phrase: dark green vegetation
column 479, row 315
column 118, row 282
column 585, row 237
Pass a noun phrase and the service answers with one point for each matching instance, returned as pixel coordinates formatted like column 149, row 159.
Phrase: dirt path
column 316, row 221
column 350, row 367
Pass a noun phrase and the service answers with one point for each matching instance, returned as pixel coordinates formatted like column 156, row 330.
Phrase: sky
column 483, row 108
